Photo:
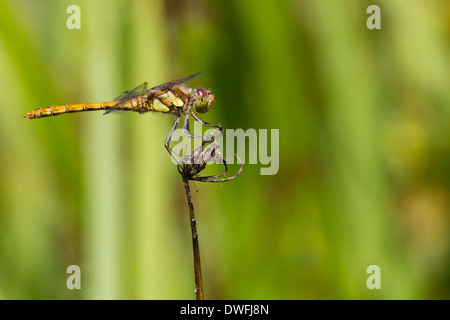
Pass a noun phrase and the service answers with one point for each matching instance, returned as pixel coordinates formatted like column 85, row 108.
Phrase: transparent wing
column 135, row 92
column 170, row 84
column 143, row 88
column 127, row 95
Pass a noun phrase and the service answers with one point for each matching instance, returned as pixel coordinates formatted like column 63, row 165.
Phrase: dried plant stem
column 197, row 265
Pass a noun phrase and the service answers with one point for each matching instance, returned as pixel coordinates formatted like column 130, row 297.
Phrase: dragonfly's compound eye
column 203, row 100
column 202, row 92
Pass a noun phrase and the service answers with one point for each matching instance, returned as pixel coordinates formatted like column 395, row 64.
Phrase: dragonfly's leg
column 187, row 131
column 210, row 138
column 169, row 137
column 206, row 124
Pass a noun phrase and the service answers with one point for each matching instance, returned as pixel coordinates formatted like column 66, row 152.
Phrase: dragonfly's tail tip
column 28, row 115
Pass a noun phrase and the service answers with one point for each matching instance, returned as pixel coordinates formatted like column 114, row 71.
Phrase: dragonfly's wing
column 143, row 88
column 135, row 92
column 127, row 95
column 170, row 84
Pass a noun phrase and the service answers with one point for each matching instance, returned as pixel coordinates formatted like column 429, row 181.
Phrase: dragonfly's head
column 203, row 100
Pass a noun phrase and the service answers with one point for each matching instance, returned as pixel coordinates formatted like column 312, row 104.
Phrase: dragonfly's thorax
column 167, row 101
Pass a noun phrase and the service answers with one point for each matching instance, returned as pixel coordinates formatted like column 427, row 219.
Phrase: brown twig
column 189, row 168
column 197, row 264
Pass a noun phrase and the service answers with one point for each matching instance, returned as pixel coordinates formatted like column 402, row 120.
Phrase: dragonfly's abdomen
column 55, row 110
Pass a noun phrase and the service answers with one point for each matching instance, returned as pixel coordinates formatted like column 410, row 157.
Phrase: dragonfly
column 171, row 98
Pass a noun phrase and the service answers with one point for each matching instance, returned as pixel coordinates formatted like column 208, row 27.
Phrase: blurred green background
column 364, row 173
